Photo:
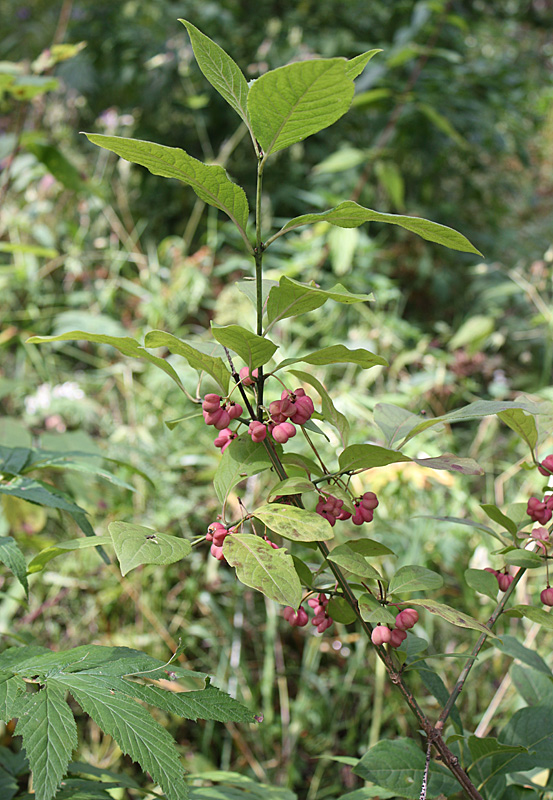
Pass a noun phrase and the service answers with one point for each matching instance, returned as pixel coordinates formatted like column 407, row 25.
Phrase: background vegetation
column 453, row 121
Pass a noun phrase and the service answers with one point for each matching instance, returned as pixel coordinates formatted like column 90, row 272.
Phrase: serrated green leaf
column 413, row 578
column 338, row 354
column 292, row 298
column 243, row 459
column 353, row 562
column 213, row 365
column 263, row 568
column 124, row 344
column 482, row 581
column 220, row 70
column 290, row 103
column 208, row 703
column 135, row 731
column 293, row 523
column 355, row 66
column 11, row 687
column 368, row 456
column 14, row 459
column 49, row 735
column 290, row 486
column 330, row 413
column 12, row 557
column 521, row 423
column 482, row 747
column 253, row 349
column 135, row 545
column 493, row 512
column 210, row 181
column 399, row 765
column 38, row 562
column 375, row 613
column 350, row 215
column 453, row 616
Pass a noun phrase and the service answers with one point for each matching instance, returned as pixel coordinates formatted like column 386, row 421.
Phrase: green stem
column 258, row 256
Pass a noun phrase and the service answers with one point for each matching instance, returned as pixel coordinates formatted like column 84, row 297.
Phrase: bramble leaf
column 294, row 523
column 262, row 567
column 355, row 66
column 135, row 545
column 210, row 181
column 12, row 557
column 351, row 215
column 290, row 103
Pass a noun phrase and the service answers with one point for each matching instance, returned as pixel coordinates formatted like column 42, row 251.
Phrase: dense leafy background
column 453, row 122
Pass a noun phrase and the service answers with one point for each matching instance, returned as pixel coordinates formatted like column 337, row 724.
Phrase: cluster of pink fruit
column 405, row 620
column 216, row 534
column 504, row 580
column 331, row 508
column 293, row 408
column 542, row 510
column 299, row 618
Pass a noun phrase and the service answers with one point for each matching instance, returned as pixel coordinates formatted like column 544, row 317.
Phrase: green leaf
column 253, row 349
column 135, row 545
column 14, row 459
column 294, row 523
column 539, row 615
column 487, row 747
column 368, row 547
column 451, row 462
column 523, row 558
column 521, row 423
column 338, row 354
column 340, row 610
column 498, row 516
column 453, row 616
column 292, row 298
column 330, row 413
column 368, row 456
column 394, row 422
column 290, row 103
column 482, row 581
column 12, row 557
column 534, row 687
column 11, row 688
column 532, row 728
column 38, row 562
column 49, row 735
column 413, row 578
column 467, row 522
column 512, row 647
column 375, row 613
column 243, row 459
column 291, row 486
column 399, row 765
column 355, row 66
column 262, row 567
column 210, row 181
column 220, row 70
column 208, row 703
column 124, row 344
column 350, row 215
column 135, row 731
column 203, row 362
column 476, row 410
column 354, row 562
column 38, row 492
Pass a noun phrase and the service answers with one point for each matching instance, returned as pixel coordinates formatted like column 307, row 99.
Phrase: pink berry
column 326, row 623
column 381, row 635
column 222, row 421
column 406, row 619
column 546, row 466
column 258, row 431
column 211, row 402
column 247, row 377
column 283, row 431
column 397, row 637
column 540, row 511
column 369, row 501
column 235, row 410
column 504, row 580
column 296, row 620
column 217, row 552
column 547, row 596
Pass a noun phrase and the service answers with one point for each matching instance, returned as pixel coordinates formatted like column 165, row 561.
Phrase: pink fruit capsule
column 247, row 377
column 381, row 635
column 258, row 431
column 406, row 619
column 397, row 637
column 222, row 421
column 546, row 466
column 504, row 581
column 547, row 596
column 235, row 410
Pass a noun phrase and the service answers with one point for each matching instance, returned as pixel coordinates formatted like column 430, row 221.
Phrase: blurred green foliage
column 452, row 121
